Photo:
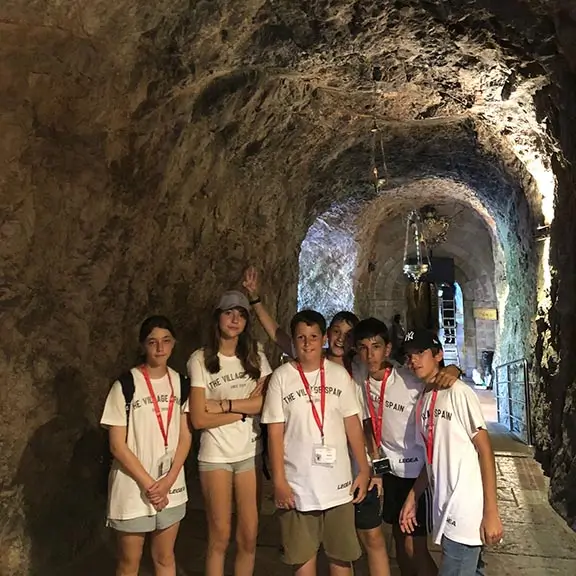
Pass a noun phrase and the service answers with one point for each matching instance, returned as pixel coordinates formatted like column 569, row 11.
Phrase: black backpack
column 127, row 383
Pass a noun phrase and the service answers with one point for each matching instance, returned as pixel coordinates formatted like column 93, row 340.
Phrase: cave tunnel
column 150, row 152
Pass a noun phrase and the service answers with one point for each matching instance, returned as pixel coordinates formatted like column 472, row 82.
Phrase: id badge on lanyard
column 164, row 464
column 322, row 454
column 165, row 461
column 380, row 466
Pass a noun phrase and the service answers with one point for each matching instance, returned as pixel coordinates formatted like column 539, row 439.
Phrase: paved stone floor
column 536, row 543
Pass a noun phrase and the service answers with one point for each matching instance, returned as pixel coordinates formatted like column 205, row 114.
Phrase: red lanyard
column 163, row 431
column 429, row 438
column 319, row 422
column 377, row 421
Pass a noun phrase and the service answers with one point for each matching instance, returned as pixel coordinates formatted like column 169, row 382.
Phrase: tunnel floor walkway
column 536, row 542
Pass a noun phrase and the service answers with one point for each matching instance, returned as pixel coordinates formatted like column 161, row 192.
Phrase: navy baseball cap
column 420, row 340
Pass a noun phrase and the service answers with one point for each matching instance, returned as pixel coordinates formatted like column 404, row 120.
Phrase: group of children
column 354, row 439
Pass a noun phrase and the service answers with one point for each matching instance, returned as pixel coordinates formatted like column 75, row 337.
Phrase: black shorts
column 396, row 490
column 368, row 513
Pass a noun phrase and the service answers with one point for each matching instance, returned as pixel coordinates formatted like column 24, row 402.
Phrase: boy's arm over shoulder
column 467, row 408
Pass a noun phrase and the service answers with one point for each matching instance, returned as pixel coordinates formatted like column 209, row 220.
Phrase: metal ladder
column 448, row 315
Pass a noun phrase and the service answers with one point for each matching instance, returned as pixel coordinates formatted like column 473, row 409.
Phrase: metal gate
column 512, row 388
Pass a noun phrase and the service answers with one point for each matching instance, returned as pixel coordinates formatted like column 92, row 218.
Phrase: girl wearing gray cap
column 228, row 377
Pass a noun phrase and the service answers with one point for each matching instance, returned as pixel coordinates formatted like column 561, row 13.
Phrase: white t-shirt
column 315, row 487
column 357, row 370
column 125, row 499
column 239, row 440
column 455, row 472
column 399, row 441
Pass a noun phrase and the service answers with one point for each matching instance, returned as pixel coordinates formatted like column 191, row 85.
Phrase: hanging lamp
column 416, row 259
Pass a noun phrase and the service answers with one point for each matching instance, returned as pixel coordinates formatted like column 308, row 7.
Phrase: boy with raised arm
column 312, row 415
column 459, row 467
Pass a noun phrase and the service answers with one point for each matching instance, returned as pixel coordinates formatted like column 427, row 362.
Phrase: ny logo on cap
column 409, row 336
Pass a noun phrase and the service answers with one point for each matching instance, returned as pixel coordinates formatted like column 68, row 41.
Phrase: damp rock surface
column 150, row 151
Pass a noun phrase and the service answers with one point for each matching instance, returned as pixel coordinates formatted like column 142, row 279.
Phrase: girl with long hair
column 228, row 380
column 149, row 440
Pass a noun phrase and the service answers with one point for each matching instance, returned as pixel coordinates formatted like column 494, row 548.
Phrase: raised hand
column 250, row 281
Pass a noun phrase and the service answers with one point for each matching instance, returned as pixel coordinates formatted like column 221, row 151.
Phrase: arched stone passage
column 470, row 245
column 509, row 221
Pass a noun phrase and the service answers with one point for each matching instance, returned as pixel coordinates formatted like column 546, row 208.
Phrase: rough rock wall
column 117, row 202
column 554, row 369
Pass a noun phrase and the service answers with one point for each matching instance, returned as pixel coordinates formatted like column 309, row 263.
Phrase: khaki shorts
column 304, row 532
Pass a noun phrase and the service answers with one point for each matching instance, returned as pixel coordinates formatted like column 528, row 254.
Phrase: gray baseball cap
column 233, row 299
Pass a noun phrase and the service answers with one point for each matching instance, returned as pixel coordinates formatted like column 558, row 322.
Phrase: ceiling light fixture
column 434, row 227
column 416, row 259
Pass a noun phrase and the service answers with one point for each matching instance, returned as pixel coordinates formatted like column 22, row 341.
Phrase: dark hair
column 371, row 328
column 344, row 316
column 310, row 318
column 155, row 322
column 246, row 348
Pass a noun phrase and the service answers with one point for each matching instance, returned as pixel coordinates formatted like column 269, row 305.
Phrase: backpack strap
column 184, row 388
column 127, row 383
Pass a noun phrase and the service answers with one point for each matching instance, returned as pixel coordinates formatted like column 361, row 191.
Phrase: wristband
column 256, row 300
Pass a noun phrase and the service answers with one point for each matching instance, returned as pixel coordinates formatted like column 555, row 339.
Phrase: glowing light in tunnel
column 544, row 294
column 546, row 182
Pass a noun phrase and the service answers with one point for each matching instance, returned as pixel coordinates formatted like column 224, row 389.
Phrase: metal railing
column 513, row 398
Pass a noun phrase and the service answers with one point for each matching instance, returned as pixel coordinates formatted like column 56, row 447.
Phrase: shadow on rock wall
column 61, row 475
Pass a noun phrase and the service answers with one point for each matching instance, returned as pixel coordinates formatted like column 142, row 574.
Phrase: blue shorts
column 460, row 559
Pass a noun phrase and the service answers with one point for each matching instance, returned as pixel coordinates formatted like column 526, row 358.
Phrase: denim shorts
column 460, row 559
